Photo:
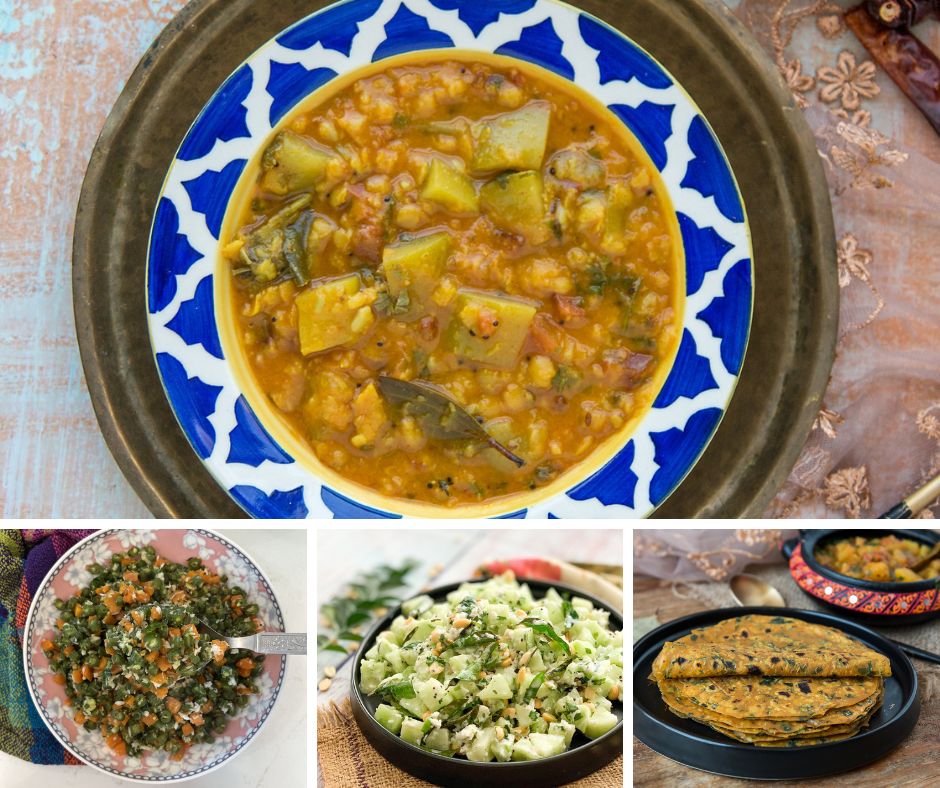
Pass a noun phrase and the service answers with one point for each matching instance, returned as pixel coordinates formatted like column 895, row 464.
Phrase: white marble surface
column 278, row 755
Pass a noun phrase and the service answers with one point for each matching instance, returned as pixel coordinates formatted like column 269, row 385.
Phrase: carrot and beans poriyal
column 462, row 269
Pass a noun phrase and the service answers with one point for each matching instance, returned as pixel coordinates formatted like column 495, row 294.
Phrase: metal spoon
column 750, row 590
column 933, row 553
column 260, row 642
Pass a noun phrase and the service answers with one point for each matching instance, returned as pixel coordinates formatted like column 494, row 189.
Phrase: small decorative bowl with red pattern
column 880, row 604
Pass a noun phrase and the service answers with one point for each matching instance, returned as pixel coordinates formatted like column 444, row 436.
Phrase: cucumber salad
column 493, row 674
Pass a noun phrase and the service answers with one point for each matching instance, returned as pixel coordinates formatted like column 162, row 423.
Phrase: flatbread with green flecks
column 775, row 696
column 772, row 681
column 844, row 715
column 767, row 646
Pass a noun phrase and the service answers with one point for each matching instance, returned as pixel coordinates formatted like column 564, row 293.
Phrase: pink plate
column 69, row 576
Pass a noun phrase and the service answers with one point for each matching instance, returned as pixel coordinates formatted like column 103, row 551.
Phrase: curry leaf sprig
column 547, row 630
column 364, row 599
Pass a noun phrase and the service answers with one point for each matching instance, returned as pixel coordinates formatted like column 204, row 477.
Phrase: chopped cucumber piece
column 480, row 749
column 411, row 606
column 294, row 163
column 411, row 731
column 563, row 728
column 524, row 750
column 547, row 744
column 371, row 673
column 389, row 718
column 412, row 705
column 497, row 689
column 415, row 266
column 599, row 723
column 432, row 694
column 502, row 750
column 438, row 739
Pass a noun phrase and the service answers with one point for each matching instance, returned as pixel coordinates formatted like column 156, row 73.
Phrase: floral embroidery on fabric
column 928, row 423
column 830, row 25
column 827, row 421
column 847, row 82
column 861, row 117
column 858, row 154
column 847, row 489
column 644, row 546
column 798, row 82
column 853, row 264
column 836, row 84
column 716, row 554
column 783, row 26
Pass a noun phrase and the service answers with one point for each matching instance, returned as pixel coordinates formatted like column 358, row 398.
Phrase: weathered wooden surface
column 914, row 764
column 445, row 556
column 62, row 65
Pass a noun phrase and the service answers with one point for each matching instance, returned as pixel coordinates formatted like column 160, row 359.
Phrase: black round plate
column 700, row 747
column 813, row 538
column 584, row 757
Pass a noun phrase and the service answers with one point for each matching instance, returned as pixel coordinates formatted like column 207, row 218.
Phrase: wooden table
column 444, row 556
column 916, row 763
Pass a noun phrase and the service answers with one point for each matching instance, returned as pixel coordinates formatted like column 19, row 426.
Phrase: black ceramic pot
column 878, row 604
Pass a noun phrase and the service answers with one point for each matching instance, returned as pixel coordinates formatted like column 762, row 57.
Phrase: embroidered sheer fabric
column 877, row 436
column 704, row 555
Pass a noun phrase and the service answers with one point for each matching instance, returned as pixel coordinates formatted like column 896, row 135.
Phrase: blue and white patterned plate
column 215, row 415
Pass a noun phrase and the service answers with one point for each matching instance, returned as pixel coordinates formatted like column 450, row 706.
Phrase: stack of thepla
column 772, row 681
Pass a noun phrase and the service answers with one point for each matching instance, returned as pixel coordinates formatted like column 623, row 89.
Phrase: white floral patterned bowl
column 69, row 576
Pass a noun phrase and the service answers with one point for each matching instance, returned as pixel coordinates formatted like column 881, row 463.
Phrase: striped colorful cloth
column 26, row 556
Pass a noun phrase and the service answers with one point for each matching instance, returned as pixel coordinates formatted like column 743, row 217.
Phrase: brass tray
column 713, row 56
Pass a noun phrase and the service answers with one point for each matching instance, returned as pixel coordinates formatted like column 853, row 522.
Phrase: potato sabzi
column 881, row 559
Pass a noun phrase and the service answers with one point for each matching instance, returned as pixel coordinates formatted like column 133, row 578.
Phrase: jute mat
column 347, row 760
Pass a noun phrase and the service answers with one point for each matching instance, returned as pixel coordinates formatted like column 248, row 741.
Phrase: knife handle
column 901, row 13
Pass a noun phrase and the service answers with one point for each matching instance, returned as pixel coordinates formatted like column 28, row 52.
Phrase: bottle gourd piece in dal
column 772, row 681
column 467, row 226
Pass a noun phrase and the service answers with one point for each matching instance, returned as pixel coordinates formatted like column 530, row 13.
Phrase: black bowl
column 584, row 757
column 700, row 747
column 893, row 614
